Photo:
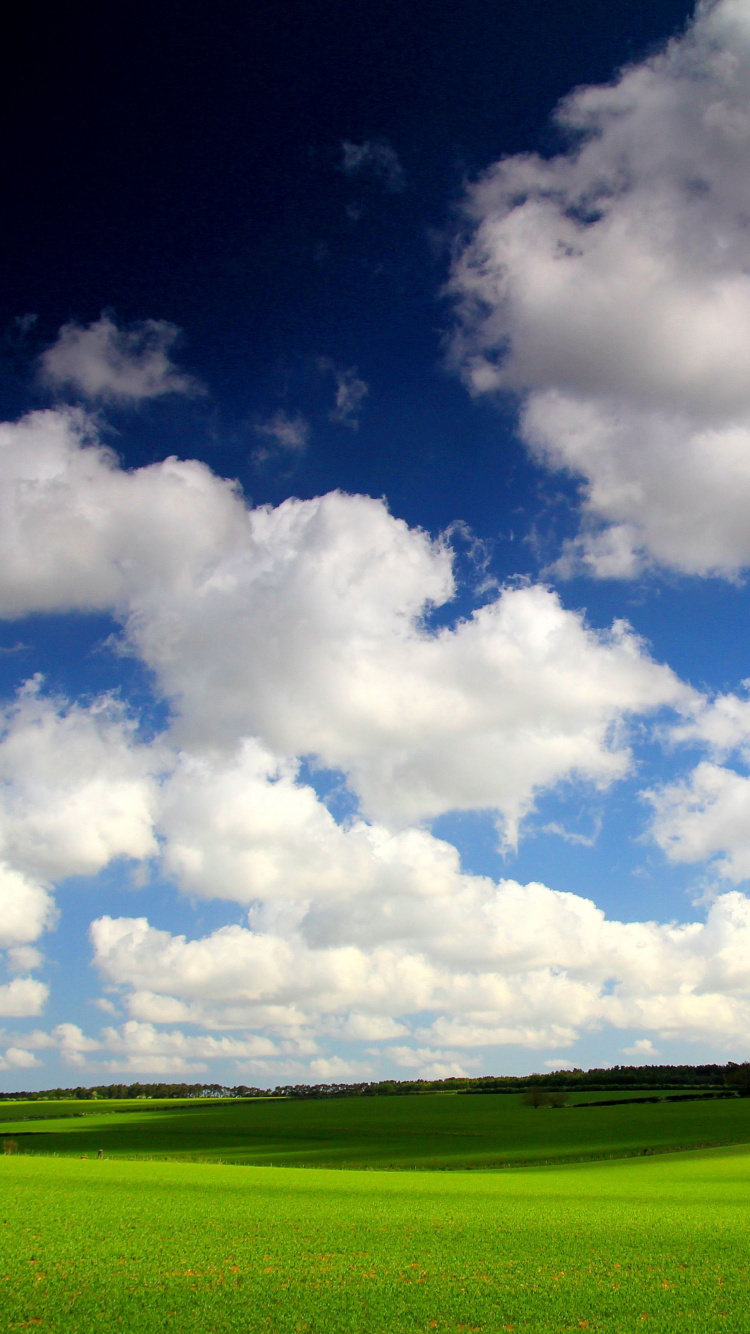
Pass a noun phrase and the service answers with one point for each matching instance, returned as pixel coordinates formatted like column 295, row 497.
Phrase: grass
column 655, row 1244
column 428, row 1132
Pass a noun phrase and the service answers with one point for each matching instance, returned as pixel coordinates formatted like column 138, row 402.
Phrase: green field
column 430, row 1132
column 655, row 1243
column 650, row 1237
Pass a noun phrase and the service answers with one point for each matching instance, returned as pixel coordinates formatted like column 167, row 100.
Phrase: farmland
column 430, row 1132
column 165, row 1233
column 656, row 1243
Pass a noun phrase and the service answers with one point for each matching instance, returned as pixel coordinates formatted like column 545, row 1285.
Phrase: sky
column 374, row 540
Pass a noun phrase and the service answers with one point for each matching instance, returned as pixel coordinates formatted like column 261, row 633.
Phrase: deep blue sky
column 186, row 163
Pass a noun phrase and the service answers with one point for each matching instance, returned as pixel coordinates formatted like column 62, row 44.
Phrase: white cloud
column 18, row 1059
column 641, row 1049
column 70, row 1041
column 721, row 725
column 76, row 789
column 303, row 631
column 318, row 607
column 351, row 392
column 610, row 286
column 703, row 817
column 78, row 533
column 284, row 432
column 24, row 958
column 427, row 1063
column 336, row 1068
column 367, row 1028
column 374, row 157
column 22, row 997
column 101, row 361
column 26, row 908
column 141, row 1048
column 514, row 965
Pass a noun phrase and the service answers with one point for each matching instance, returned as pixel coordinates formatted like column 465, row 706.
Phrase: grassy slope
column 655, row 1243
column 433, row 1131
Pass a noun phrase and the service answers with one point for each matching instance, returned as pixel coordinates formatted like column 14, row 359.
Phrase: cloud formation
column 506, row 964
column 302, row 632
column 284, row 433
column 319, row 609
column 101, row 362
column 22, row 997
column 608, row 286
column 351, row 392
column 375, row 157
column 76, row 789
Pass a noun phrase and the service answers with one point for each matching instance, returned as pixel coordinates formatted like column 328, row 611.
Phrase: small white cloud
column 103, row 362
column 26, row 909
column 72, row 1043
column 141, row 1048
column 368, row 1028
column 377, row 158
column 431, row 1064
column 558, row 1063
column 24, row 958
column 76, row 790
column 351, row 392
column 285, row 434
column 290, row 433
column 703, row 817
column 18, row 1058
column 644, row 1047
column 335, row 1068
column 22, row 998
column 23, row 324
column 721, row 725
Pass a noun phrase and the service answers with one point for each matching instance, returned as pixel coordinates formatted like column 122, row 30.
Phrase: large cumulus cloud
column 609, row 287
column 285, row 640
column 503, row 964
column 304, row 626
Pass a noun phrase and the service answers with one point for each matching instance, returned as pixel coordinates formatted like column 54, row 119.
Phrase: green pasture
column 655, row 1243
column 429, row 1132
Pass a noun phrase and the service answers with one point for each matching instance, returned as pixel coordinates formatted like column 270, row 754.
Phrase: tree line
column 732, row 1076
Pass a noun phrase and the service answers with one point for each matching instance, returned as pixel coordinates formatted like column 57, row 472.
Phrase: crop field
column 165, row 1233
column 430, row 1132
column 656, row 1244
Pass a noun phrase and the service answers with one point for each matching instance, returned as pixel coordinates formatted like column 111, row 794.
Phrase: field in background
column 656, row 1244
column 434, row 1131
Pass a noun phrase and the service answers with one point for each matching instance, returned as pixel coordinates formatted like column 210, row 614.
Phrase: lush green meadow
column 656, row 1243
column 430, row 1132
column 650, row 1237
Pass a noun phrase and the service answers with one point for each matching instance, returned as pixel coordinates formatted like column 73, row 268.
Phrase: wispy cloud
column 351, row 391
column 100, row 361
column 284, row 433
column 377, row 158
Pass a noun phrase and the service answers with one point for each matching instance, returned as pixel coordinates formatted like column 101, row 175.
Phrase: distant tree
column 738, row 1077
column 536, row 1097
